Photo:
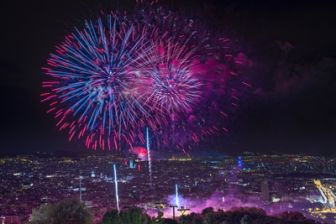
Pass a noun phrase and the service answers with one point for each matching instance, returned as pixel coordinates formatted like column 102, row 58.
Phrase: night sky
column 292, row 45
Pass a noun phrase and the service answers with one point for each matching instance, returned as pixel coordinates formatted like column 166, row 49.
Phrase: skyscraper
column 265, row 192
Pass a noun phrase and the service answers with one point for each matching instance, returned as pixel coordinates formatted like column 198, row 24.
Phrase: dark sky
column 291, row 43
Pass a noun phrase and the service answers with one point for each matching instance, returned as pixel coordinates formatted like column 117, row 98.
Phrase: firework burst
column 173, row 87
column 91, row 87
column 154, row 69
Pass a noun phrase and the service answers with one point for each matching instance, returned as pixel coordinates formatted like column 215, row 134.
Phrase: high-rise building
column 132, row 165
column 265, row 192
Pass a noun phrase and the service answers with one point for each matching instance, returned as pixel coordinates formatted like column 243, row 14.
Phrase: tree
column 209, row 215
column 134, row 216
column 129, row 216
column 208, row 210
column 68, row 211
column 112, row 217
column 168, row 221
column 41, row 215
column 71, row 212
column 192, row 218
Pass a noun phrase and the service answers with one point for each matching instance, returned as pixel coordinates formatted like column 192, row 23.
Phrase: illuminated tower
column 116, row 186
column 80, row 187
column 177, row 200
column 149, row 156
column 240, row 162
column 131, row 164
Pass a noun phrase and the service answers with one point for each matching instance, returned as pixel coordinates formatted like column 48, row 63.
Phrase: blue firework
column 91, row 87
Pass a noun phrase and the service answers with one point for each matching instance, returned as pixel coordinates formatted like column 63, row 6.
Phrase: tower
column 265, row 192
column 149, row 156
column 80, row 187
column 116, row 186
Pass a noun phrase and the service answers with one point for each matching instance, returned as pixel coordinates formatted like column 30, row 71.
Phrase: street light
column 173, row 206
column 183, row 210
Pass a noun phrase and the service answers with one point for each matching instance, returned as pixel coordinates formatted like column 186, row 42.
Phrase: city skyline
column 274, row 183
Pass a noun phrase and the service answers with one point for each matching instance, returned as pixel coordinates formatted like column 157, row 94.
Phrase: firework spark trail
column 177, row 200
column 116, row 186
column 149, row 157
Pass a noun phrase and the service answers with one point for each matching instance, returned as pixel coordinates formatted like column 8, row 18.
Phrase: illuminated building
column 327, row 195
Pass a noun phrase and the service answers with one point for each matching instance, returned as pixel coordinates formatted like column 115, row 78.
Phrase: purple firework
column 195, row 76
column 173, row 88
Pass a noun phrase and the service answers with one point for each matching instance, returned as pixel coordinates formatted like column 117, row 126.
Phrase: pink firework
column 173, row 86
